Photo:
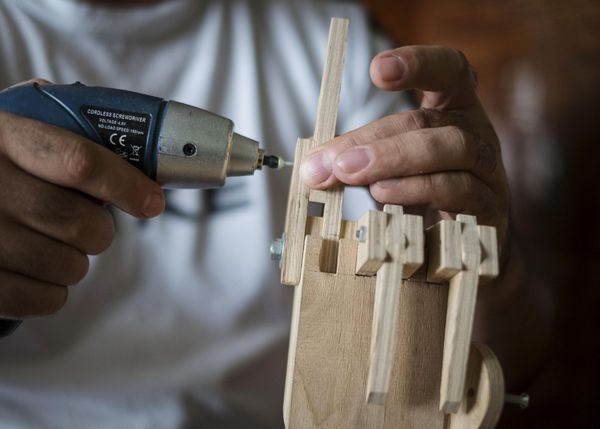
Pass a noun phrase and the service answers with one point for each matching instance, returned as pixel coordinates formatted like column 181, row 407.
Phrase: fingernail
column 391, row 69
column 353, row 160
column 154, row 204
column 316, row 168
column 389, row 183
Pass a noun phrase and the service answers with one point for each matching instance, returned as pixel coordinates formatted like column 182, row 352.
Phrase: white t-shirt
column 182, row 322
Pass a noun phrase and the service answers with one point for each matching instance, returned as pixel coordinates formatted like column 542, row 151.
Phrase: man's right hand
column 51, row 182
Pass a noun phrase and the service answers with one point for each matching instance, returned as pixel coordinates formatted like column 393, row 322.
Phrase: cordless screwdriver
column 177, row 145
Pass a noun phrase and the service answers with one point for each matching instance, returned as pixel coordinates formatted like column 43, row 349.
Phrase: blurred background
column 538, row 66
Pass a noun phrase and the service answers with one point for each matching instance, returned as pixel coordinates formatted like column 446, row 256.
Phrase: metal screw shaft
column 521, row 400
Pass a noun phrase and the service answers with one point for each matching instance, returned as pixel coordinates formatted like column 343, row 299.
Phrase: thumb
column 444, row 74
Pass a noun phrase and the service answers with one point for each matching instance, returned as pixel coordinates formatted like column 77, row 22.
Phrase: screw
column 189, row 149
column 276, row 249
column 361, row 234
column 521, row 400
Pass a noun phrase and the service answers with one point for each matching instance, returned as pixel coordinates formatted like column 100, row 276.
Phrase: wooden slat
column 385, row 312
column 459, row 317
column 295, row 221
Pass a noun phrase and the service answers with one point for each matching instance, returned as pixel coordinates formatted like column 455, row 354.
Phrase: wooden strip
column 331, row 82
column 295, row 220
column 385, row 312
column 459, row 317
column 444, row 251
column 371, row 243
column 329, row 100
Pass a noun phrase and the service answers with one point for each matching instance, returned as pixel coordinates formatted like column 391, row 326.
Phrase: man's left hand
column 444, row 156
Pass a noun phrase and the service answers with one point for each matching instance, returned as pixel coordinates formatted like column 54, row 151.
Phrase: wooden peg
column 459, row 317
column 385, row 311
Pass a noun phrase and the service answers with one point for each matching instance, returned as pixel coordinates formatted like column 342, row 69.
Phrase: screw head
column 276, row 249
column 189, row 149
column 361, row 234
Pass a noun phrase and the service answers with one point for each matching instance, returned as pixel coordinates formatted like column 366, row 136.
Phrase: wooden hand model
column 383, row 310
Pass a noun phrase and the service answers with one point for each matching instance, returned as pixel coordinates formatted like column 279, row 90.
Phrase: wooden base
column 329, row 353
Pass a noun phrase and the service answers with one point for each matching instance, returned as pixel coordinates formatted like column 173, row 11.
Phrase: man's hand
column 50, row 219
column 444, row 156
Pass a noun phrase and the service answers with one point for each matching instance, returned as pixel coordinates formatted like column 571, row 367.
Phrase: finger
column 62, row 214
column 66, row 159
column 454, row 192
column 23, row 298
column 414, row 153
column 316, row 169
column 31, row 254
column 444, row 73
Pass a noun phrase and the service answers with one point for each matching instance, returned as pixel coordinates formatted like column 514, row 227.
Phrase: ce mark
column 120, row 140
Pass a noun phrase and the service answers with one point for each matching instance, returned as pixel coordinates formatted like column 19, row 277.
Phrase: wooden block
column 444, row 251
column 371, row 250
column 489, row 268
column 462, row 296
column 414, row 253
column 483, row 399
column 385, row 312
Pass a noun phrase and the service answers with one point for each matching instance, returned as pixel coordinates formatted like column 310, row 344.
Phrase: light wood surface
column 329, row 353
